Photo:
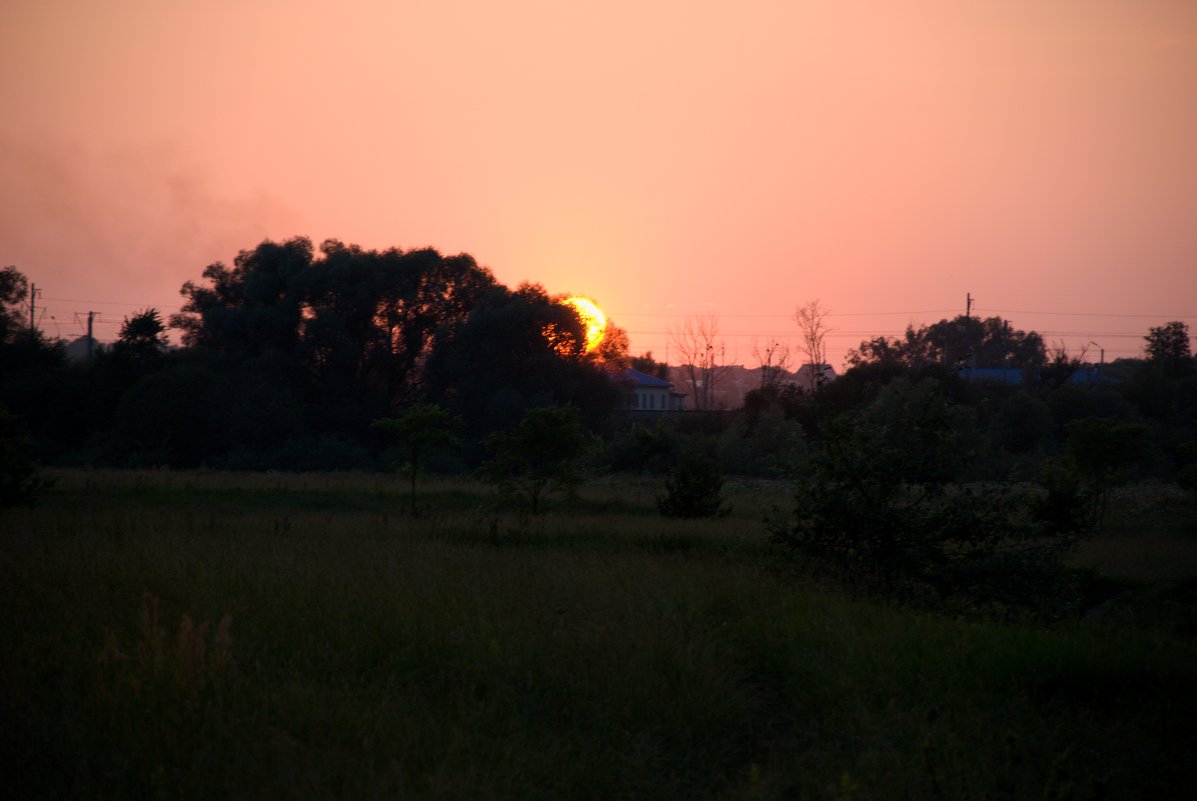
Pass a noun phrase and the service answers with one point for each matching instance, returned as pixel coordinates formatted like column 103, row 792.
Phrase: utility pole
column 968, row 304
column 90, row 341
column 32, row 307
column 1101, row 364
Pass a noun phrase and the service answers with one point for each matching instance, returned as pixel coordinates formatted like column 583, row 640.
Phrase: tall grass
column 596, row 652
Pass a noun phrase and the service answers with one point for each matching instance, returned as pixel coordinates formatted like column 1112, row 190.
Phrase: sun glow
column 593, row 317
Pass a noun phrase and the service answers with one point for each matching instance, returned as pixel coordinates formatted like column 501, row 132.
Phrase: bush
column 1104, row 451
column 19, row 482
column 694, row 488
column 883, row 495
column 765, row 444
column 542, row 456
column 641, row 448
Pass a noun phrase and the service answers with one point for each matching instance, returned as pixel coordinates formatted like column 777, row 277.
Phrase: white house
column 647, row 393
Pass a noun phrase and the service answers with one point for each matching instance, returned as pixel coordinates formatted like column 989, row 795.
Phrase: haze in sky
column 665, row 158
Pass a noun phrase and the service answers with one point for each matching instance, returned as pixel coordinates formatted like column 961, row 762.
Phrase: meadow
column 207, row 635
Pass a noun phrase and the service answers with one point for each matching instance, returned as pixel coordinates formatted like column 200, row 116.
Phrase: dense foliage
column 19, row 479
column 290, row 354
column 541, row 457
column 694, row 488
column 959, row 450
column 704, row 674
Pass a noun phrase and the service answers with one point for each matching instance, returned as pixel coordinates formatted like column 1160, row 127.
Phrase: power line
column 908, row 312
column 780, row 316
column 1096, row 314
column 113, row 303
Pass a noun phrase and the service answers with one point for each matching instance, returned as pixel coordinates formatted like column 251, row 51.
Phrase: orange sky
column 665, row 158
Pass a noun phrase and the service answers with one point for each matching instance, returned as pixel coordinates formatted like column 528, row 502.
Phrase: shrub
column 882, row 494
column 642, row 448
column 542, row 456
column 423, row 430
column 19, row 481
column 694, row 488
column 1104, row 451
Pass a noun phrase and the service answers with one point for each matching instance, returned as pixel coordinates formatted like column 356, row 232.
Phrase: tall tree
column 773, row 359
column 22, row 346
column 703, row 357
column 352, row 328
column 812, row 327
column 518, row 350
column 14, row 289
column 252, row 308
column 1168, row 347
column 374, row 319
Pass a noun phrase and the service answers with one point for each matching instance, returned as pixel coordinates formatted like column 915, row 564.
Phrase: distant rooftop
column 633, row 376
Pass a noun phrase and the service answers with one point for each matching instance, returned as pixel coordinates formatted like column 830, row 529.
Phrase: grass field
column 219, row 635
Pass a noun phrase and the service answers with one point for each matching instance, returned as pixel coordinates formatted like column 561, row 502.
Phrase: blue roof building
column 647, row 393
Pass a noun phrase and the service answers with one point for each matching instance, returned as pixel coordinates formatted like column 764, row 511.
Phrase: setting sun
column 593, row 317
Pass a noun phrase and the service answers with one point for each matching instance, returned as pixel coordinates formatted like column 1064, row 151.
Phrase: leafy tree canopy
column 143, row 334
column 1168, row 347
column 518, row 350
column 14, row 289
column 540, row 457
column 991, row 342
column 357, row 325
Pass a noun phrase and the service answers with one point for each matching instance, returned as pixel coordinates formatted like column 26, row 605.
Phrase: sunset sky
column 665, row 158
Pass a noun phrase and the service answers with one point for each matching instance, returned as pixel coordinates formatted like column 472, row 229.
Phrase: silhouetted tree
column 1060, row 366
column 1168, row 348
column 14, row 289
column 31, row 367
column 143, row 331
column 812, row 327
column 514, row 352
column 253, row 308
column 965, row 340
column 612, row 352
column 883, row 493
column 422, row 430
column 646, row 364
column 540, row 457
column 703, row 358
column 141, row 341
column 349, row 331
column 773, row 359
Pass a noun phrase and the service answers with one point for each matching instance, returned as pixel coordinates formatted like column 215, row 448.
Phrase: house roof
column 994, row 375
column 639, row 379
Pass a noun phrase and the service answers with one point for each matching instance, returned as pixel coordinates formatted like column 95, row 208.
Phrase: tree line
column 291, row 354
column 910, row 470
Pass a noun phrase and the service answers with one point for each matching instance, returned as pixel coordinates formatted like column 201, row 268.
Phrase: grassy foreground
column 249, row 636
